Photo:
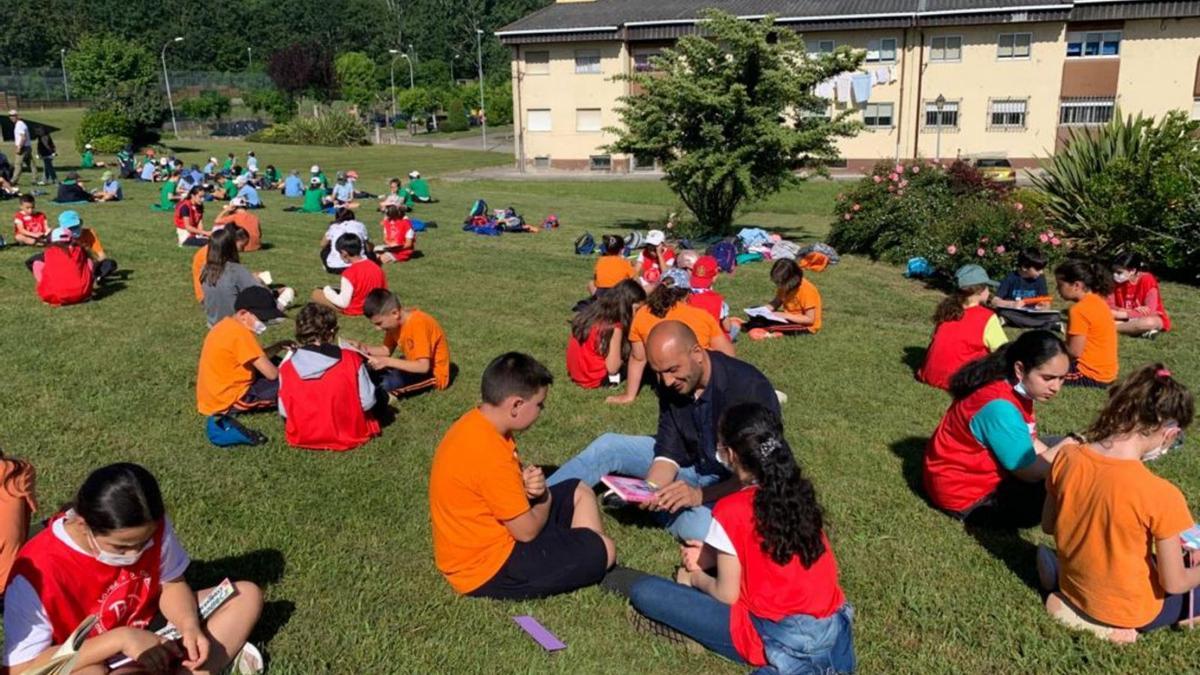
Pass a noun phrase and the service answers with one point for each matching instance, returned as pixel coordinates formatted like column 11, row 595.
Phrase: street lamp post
column 62, row 55
column 410, row 70
column 938, row 104
column 167, row 81
column 249, row 58
column 482, row 109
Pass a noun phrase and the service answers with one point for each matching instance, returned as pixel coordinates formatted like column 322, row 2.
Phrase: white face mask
column 259, row 327
column 116, row 559
column 1120, row 277
column 1163, row 449
column 724, row 461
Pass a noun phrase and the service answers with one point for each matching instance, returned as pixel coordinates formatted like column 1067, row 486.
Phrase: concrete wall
column 1158, row 65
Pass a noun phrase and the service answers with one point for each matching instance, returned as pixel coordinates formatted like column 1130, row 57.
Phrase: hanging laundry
column 825, row 89
column 861, row 84
column 882, row 75
column 843, row 88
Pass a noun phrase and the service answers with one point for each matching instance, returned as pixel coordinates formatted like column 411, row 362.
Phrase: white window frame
column 931, row 107
column 583, row 64
column 875, row 50
column 820, row 47
column 1096, row 104
column 945, row 48
column 539, row 129
column 1099, row 38
column 1004, row 125
column 580, row 112
column 537, row 67
column 1013, row 55
column 1196, row 108
column 878, row 107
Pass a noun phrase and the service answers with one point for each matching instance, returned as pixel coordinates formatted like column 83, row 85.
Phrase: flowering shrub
column 950, row 215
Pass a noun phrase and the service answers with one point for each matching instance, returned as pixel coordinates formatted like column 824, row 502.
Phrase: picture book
column 765, row 312
column 632, row 490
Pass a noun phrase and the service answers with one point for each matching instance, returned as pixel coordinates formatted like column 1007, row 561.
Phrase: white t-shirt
column 21, row 135
column 27, row 629
column 334, row 260
column 252, row 164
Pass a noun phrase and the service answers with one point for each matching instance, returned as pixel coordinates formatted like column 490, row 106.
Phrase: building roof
column 615, row 19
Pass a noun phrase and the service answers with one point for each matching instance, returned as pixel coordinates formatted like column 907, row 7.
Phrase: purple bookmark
column 539, row 633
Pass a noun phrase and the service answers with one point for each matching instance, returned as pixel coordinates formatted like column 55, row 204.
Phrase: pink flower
column 893, row 177
column 899, row 168
column 951, row 249
column 846, row 217
column 878, row 178
column 980, row 252
column 899, row 193
column 1043, row 238
column 856, row 207
column 891, row 188
column 1055, row 241
column 916, row 169
column 1019, row 206
column 903, row 184
column 1000, row 249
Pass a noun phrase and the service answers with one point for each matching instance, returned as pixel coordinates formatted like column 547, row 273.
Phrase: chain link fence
column 48, row 86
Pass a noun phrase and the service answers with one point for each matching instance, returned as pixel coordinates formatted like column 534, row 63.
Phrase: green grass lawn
column 342, row 541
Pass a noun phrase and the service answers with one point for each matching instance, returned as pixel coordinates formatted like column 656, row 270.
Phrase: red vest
column 364, row 276
column 66, row 275
column 197, row 212
column 72, row 585
column 954, row 344
column 325, row 413
column 709, row 301
column 1130, row 296
column 959, row 470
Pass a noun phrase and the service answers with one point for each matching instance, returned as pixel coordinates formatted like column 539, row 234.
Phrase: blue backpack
column 585, row 244
column 478, row 209
column 918, row 268
column 225, row 431
column 726, row 254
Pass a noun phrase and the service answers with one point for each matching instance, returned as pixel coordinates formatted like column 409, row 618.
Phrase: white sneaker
column 1047, row 568
column 783, row 398
column 285, row 297
column 249, row 661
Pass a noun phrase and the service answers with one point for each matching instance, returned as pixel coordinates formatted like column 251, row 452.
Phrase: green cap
column 973, row 275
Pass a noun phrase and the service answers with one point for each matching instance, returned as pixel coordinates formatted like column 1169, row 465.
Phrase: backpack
column 918, row 268
column 585, row 244
column 479, row 208
column 635, row 241
column 815, row 261
column 550, row 223
column 225, row 431
column 725, row 253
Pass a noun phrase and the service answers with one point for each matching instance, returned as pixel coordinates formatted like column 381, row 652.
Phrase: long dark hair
column 118, row 496
column 1096, row 278
column 614, row 307
column 222, row 250
column 952, row 307
column 786, row 513
column 665, row 296
column 1031, row 350
column 1128, row 261
column 1148, row 398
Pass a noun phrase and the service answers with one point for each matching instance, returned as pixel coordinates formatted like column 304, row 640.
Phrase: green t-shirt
column 419, row 188
column 164, row 195
column 88, row 161
column 324, row 180
column 230, row 188
column 228, row 165
column 273, row 175
column 407, row 196
column 313, row 197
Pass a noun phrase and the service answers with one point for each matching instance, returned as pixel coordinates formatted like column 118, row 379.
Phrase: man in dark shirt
column 695, row 388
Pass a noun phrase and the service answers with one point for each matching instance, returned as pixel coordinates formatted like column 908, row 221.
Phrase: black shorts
column 560, row 559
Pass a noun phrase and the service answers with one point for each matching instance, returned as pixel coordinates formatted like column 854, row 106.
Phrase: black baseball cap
column 260, row 302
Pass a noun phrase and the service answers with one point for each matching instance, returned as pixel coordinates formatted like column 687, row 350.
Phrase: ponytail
column 953, row 306
column 1032, row 349
column 664, row 297
column 787, row 515
column 1148, row 398
column 1096, row 278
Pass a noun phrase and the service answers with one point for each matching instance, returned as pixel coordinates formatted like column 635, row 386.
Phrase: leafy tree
column 356, row 79
column 415, row 101
column 119, row 76
column 731, row 115
column 303, row 69
column 274, row 102
column 209, row 105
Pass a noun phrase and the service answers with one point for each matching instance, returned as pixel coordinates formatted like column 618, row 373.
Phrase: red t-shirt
column 769, row 590
column 1141, row 293
column 585, row 363
column 955, row 344
column 396, row 232
column 646, row 263
column 34, row 222
column 364, row 276
column 66, row 275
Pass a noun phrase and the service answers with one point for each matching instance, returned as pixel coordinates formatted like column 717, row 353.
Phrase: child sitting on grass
column 426, row 351
column 314, row 197
column 703, row 273
column 1120, row 567
column 64, row 274
column 109, row 190
column 498, row 531
column 611, row 267
column 223, row 276
column 964, row 330
column 235, row 373
column 399, row 238
column 1091, row 329
column 359, row 278
column 344, row 222
column 1024, row 289
column 29, row 224
column 775, row 599
column 1135, row 299
column 325, row 393
column 598, row 346
column 237, row 212
column 201, row 256
column 797, row 301
column 189, row 219
column 655, row 259
column 113, row 554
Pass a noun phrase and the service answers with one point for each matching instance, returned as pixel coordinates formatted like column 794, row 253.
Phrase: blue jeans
column 689, row 611
column 632, row 456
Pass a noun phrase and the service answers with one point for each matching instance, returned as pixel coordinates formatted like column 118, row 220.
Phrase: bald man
column 695, row 387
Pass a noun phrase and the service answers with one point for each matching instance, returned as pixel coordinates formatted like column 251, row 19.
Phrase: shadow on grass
column 108, row 288
column 914, row 358
column 911, row 452
column 263, row 567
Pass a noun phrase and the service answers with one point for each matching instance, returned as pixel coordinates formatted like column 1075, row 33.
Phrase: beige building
column 948, row 78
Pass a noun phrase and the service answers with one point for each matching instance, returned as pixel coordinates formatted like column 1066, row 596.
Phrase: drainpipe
column 899, row 119
column 518, row 120
column 921, row 5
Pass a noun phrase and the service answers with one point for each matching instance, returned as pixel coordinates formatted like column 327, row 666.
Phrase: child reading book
column 598, row 346
column 1135, row 300
column 774, row 599
column 234, row 372
column 1091, row 329
column 399, row 238
column 796, row 308
column 325, row 393
column 964, row 330
column 359, row 278
column 498, row 530
column 113, row 553
column 1120, row 567
column 1022, row 300
column 611, row 267
column 189, row 219
column 703, row 273
column 426, row 351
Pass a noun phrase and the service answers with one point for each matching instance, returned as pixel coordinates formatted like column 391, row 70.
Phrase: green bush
column 275, row 103
column 332, row 128
column 110, row 143
column 102, row 123
column 209, row 105
column 456, row 116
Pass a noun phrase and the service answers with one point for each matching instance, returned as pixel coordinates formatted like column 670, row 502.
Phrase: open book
column 222, row 592
column 63, row 661
column 631, row 490
column 765, row 312
column 352, row 346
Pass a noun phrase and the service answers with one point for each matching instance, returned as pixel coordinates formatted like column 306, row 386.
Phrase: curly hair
column 786, row 513
column 1147, row 399
column 316, row 324
column 664, row 297
column 952, row 307
column 613, row 308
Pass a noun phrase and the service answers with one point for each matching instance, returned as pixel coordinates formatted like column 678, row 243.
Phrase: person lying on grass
column 985, row 464
column 234, row 372
column 360, row 276
column 680, row 461
column 113, row 553
column 763, row 588
column 964, row 329
column 598, row 348
column 425, row 352
column 1120, row 567
column 498, row 530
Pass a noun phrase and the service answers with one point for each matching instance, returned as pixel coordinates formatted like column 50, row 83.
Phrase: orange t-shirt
column 248, row 222
column 804, row 298
column 225, row 373
column 17, row 502
column 1110, row 513
column 612, row 270
column 421, row 337
column 1092, row 318
column 198, row 262
column 474, row 486
column 90, row 241
column 701, row 322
